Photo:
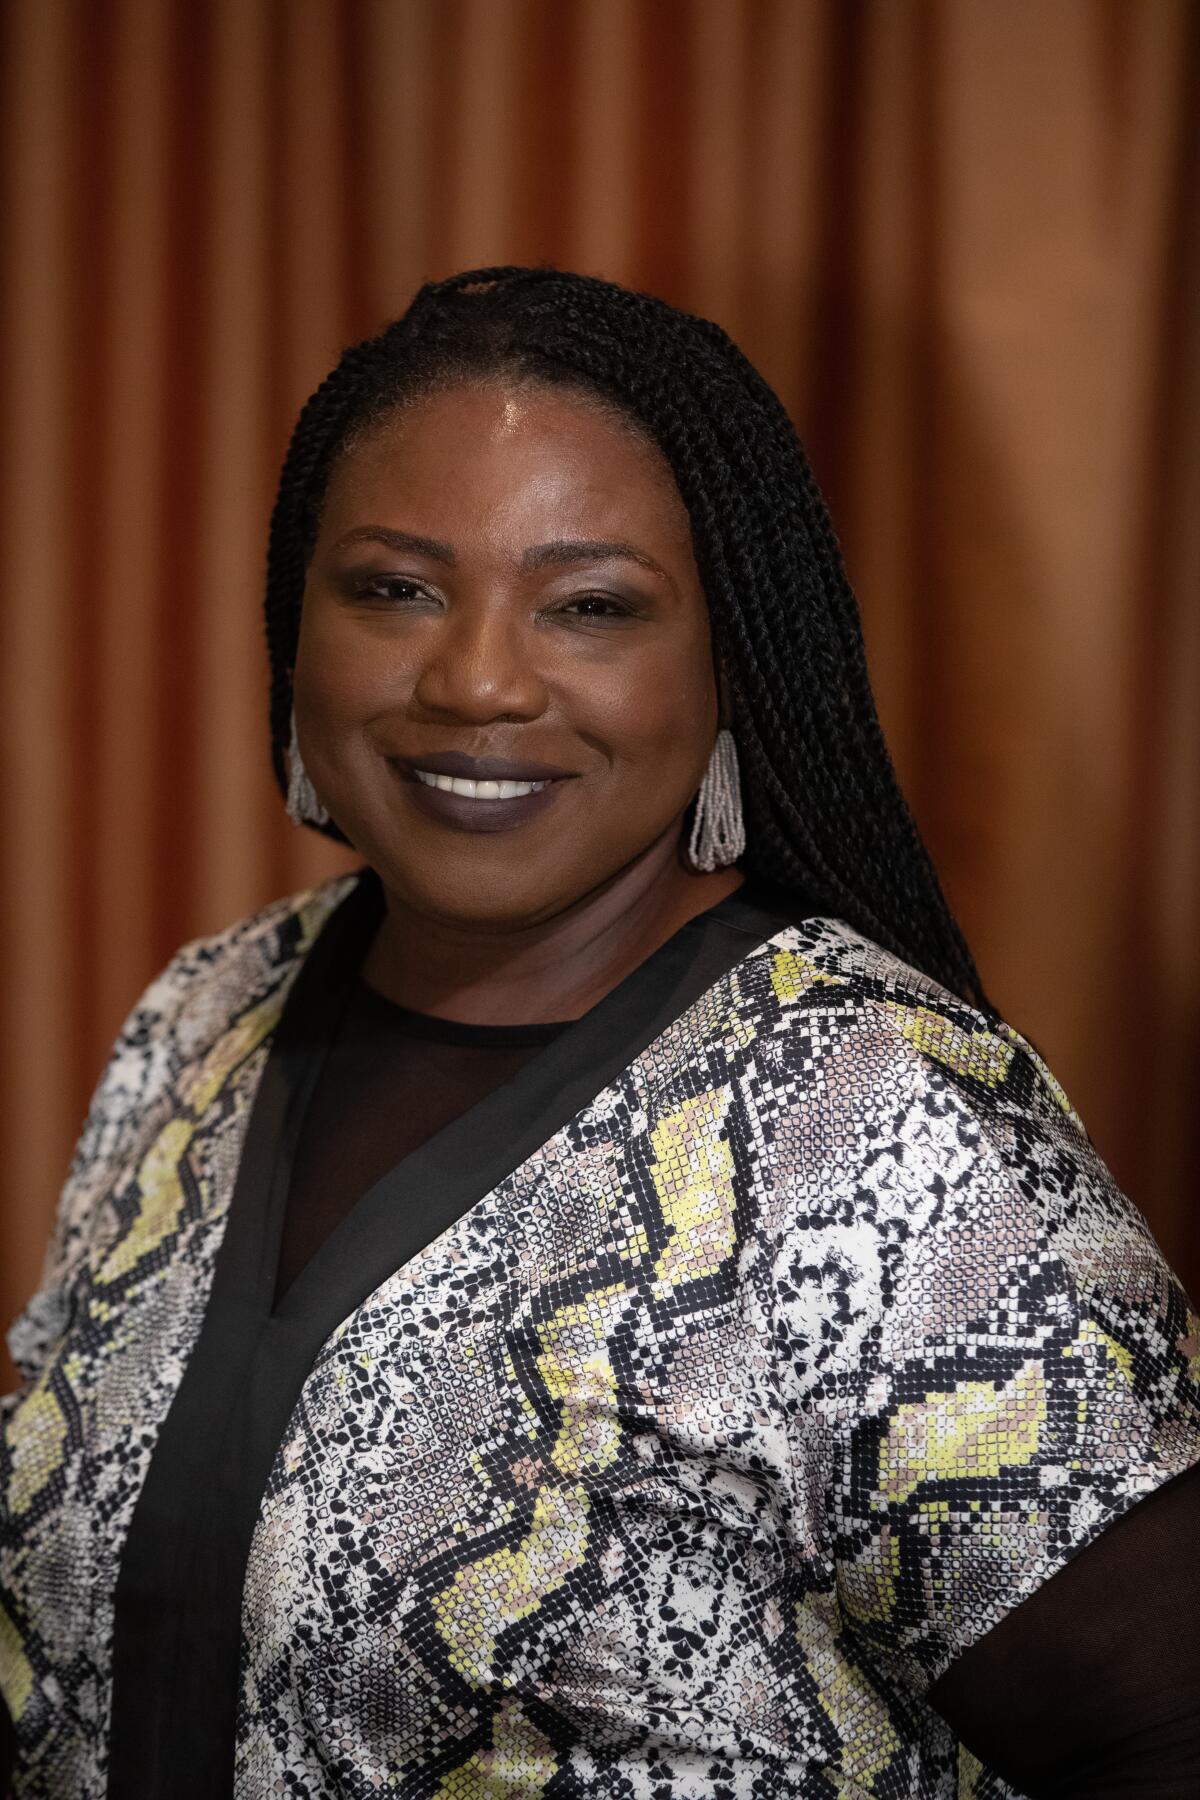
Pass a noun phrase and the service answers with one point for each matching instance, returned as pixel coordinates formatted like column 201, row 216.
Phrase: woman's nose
column 480, row 662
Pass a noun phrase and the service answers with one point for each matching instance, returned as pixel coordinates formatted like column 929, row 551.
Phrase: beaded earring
column 718, row 829
column 303, row 807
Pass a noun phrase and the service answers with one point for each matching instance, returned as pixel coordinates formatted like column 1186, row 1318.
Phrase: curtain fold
column 960, row 239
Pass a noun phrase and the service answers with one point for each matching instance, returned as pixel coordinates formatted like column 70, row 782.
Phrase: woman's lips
column 463, row 813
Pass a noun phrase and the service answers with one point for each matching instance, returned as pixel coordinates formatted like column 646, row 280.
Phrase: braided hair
column 823, row 811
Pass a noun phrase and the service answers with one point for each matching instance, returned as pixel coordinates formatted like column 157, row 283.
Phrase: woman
column 596, row 1303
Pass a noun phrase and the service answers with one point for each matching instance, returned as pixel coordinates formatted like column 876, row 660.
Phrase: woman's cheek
column 348, row 676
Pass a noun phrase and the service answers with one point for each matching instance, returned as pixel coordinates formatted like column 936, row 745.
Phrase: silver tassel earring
column 718, row 829
column 303, row 807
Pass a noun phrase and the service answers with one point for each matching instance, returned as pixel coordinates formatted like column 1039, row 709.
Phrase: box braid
column 824, row 813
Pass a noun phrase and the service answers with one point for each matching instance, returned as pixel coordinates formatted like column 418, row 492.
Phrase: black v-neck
column 375, row 1008
column 179, row 1590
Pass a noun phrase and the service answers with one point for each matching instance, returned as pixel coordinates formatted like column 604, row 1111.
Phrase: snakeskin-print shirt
column 763, row 1342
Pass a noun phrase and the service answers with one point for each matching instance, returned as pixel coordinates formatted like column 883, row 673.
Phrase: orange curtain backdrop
column 960, row 238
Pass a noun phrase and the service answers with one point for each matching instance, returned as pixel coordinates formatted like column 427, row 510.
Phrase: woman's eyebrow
column 409, row 541
column 561, row 552
column 571, row 550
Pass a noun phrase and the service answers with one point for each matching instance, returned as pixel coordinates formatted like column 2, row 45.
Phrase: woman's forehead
column 492, row 447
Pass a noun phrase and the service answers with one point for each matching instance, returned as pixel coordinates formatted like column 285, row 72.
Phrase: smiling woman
column 596, row 1302
column 501, row 564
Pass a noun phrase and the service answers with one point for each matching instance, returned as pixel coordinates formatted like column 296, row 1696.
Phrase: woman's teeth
column 480, row 790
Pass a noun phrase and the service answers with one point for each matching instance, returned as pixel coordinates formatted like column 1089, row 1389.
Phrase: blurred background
column 960, row 237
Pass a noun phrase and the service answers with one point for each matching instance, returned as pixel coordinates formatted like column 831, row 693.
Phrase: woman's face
column 504, row 571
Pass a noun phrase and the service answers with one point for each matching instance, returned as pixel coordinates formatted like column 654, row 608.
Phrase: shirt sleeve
column 133, row 1090
column 116, row 1114
column 166, row 1038
column 1031, row 1371
column 1091, row 1686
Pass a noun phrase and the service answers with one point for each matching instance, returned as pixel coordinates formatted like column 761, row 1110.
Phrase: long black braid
column 824, row 813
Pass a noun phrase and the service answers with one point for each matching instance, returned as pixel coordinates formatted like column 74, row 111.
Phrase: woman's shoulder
column 911, row 1100
column 275, row 934
column 202, row 1015
column 895, row 1031
column 213, row 986
column 221, row 972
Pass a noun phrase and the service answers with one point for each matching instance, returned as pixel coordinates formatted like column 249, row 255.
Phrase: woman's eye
column 589, row 603
column 387, row 587
column 400, row 590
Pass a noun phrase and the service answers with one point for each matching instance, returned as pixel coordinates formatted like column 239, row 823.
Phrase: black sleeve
column 1091, row 1686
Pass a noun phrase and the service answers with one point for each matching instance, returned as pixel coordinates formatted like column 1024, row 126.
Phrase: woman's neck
column 555, row 968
